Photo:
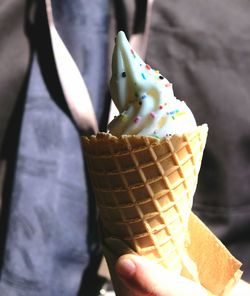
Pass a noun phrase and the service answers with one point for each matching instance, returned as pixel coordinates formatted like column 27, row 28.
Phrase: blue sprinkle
column 143, row 76
column 143, row 97
column 173, row 112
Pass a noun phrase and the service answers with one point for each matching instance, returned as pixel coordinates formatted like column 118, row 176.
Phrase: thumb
column 144, row 277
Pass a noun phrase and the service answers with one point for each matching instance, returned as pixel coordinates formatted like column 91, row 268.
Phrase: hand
column 133, row 275
column 143, row 278
column 146, row 278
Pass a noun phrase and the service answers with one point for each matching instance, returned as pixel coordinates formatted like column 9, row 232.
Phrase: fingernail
column 125, row 268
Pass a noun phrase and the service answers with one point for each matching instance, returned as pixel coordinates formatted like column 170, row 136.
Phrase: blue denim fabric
column 52, row 236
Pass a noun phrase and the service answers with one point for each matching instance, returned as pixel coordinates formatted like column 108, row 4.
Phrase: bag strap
column 72, row 83
column 141, row 26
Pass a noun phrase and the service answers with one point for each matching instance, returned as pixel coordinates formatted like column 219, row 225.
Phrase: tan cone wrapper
column 144, row 189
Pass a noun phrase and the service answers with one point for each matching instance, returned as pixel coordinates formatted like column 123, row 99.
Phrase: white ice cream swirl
column 144, row 98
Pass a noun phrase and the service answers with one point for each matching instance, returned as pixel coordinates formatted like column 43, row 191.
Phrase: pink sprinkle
column 160, row 107
column 168, row 84
column 132, row 51
column 137, row 119
column 148, row 67
column 152, row 114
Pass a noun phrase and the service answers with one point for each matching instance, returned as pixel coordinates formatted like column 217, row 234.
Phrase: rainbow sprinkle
column 156, row 136
column 123, row 117
column 137, row 119
column 143, row 76
column 168, row 84
column 152, row 114
column 173, row 112
column 180, row 113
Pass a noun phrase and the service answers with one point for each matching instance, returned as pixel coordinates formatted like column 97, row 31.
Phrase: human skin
column 135, row 275
column 145, row 278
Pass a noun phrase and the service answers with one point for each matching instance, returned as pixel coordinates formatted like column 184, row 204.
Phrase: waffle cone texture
column 144, row 190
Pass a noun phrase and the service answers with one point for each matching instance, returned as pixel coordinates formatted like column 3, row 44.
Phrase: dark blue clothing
column 52, row 234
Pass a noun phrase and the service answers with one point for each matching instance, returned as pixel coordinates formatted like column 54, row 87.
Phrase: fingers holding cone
column 137, row 276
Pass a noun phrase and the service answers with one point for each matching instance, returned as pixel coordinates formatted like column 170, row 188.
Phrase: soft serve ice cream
column 144, row 98
column 144, row 181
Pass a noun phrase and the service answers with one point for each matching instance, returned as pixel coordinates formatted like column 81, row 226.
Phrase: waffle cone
column 144, row 189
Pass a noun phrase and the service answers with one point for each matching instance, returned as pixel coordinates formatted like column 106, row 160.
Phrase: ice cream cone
column 144, row 179
column 144, row 189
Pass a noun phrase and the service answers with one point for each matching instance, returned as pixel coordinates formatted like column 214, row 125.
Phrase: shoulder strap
column 141, row 26
column 73, row 85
